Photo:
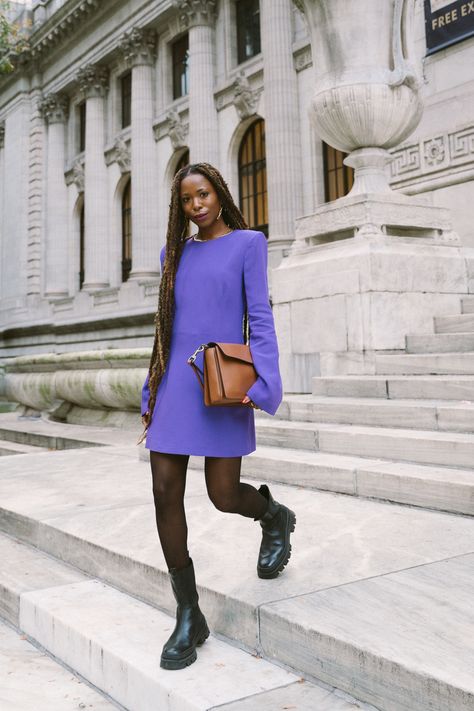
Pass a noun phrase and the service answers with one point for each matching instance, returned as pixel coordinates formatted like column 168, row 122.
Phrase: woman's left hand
column 251, row 402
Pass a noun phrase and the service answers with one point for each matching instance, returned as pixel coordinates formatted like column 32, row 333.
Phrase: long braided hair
column 178, row 225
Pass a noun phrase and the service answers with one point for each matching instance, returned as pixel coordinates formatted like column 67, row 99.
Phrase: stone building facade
column 112, row 97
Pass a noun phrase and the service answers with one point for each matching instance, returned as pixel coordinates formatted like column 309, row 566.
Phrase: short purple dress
column 214, row 282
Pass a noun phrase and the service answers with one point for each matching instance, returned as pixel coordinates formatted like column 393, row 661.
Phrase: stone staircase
column 374, row 610
column 405, row 434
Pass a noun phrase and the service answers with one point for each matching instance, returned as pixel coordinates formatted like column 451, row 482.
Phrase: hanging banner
column 447, row 22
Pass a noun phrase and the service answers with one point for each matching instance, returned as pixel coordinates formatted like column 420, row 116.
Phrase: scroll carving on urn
column 364, row 103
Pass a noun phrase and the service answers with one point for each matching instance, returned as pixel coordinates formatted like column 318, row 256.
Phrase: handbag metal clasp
column 193, row 357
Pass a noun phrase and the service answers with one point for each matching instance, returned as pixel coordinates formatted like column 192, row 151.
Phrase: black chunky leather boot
column 277, row 523
column 191, row 627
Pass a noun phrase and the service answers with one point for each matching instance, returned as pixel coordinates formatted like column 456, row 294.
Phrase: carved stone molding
column 177, row 129
column 78, row 174
column 138, row 46
column 245, row 98
column 56, row 33
column 303, row 58
column 93, row 80
column 445, row 153
column 2, row 134
column 54, row 108
column 196, row 12
column 121, row 155
column 119, row 152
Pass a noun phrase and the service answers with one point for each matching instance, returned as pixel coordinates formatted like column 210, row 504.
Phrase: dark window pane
column 127, row 231
column 126, row 99
column 338, row 178
column 81, row 246
column 180, row 67
column 82, row 126
column 248, row 29
column 252, row 177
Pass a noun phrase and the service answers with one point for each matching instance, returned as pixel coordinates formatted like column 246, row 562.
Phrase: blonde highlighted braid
column 175, row 240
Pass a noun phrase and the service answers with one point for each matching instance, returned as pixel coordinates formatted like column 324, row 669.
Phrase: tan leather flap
column 240, row 351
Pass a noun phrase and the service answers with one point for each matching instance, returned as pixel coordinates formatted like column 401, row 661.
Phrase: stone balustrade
column 88, row 387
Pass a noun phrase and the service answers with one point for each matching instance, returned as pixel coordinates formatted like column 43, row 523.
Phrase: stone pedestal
column 339, row 303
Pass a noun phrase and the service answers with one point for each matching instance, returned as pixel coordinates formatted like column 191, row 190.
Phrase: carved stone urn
column 366, row 97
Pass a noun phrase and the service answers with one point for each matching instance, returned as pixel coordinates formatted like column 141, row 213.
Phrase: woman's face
column 199, row 200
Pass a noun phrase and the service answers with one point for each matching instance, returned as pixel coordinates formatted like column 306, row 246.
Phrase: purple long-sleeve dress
column 213, row 282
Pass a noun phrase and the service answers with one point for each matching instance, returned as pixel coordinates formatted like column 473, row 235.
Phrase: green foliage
column 12, row 39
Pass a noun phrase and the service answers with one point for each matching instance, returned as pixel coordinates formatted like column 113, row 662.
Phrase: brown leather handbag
column 228, row 372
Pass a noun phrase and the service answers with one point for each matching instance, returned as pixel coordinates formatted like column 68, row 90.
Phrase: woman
column 208, row 281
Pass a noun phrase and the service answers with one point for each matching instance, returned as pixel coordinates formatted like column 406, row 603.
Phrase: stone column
column 93, row 81
column 54, row 108
column 138, row 46
column 198, row 17
column 282, row 137
column 2, row 198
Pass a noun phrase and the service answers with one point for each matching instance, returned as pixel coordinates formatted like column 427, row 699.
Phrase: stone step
column 451, row 449
column 114, row 642
column 39, row 439
column 422, row 446
column 431, row 387
column 373, row 630
column 23, row 569
column 30, row 680
column 467, row 305
column 7, row 448
column 460, row 323
column 425, row 364
column 450, row 415
column 440, row 343
column 442, row 488
column 92, row 509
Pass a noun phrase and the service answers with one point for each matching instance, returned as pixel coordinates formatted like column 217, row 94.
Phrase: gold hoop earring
column 220, row 213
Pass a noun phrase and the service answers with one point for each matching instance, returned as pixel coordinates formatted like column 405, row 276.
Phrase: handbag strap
column 197, row 370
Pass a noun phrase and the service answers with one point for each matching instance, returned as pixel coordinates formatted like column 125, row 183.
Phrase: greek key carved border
column 440, row 153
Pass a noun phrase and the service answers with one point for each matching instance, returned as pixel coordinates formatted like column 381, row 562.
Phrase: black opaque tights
column 224, row 488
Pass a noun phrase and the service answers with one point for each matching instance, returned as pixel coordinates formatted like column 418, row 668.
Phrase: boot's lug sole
column 185, row 661
column 267, row 573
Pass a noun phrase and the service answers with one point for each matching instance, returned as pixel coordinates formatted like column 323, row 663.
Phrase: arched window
column 184, row 160
column 253, row 177
column 127, row 231
column 338, row 178
column 81, row 245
